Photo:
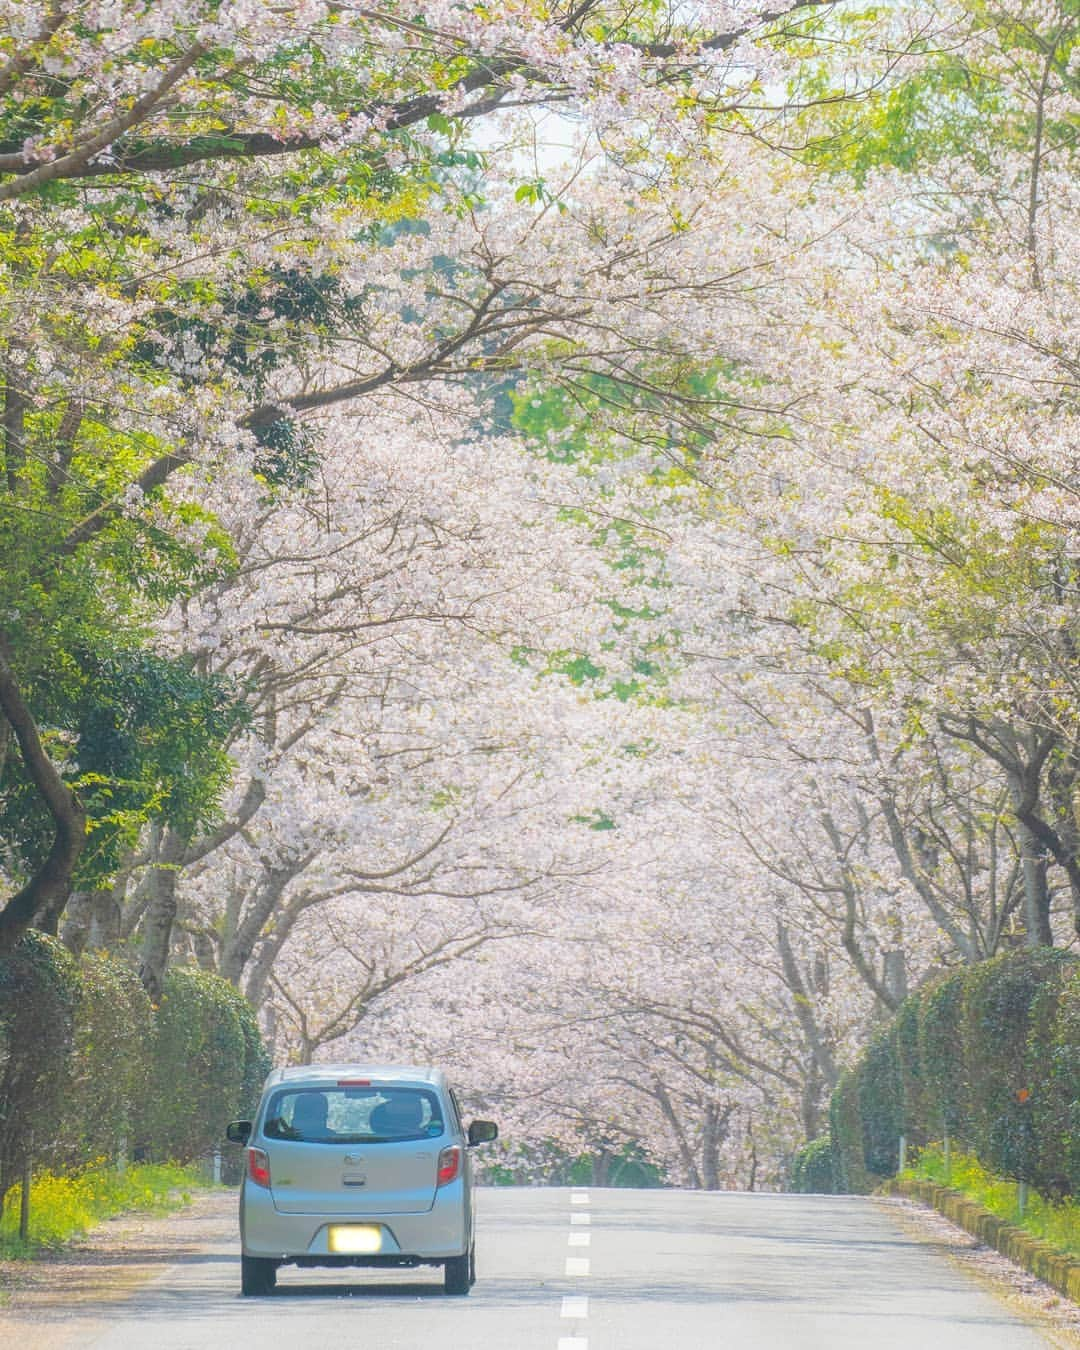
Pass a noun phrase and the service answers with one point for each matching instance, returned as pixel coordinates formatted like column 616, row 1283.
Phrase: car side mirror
column 238, row 1131
column 482, row 1132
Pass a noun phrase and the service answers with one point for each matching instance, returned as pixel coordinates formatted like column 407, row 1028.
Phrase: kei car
column 358, row 1165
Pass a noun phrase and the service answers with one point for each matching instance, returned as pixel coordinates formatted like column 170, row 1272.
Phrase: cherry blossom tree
column 148, row 312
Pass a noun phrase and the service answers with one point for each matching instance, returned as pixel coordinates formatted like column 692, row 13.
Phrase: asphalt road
column 606, row 1270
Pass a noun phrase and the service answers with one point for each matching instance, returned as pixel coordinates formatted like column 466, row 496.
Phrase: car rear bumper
column 441, row 1232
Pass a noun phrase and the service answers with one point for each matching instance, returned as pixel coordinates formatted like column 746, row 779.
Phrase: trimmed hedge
column 846, row 1132
column 39, row 993
column 90, row 1070
column 109, row 1068
column 989, row 1055
column 940, row 1016
column 881, row 1104
column 1055, row 1109
column 813, row 1168
column 208, row 1065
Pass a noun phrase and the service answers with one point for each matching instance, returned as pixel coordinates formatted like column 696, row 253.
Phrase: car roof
column 375, row 1073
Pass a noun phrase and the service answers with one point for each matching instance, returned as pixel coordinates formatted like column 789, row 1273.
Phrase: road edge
column 1056, row 1269
column 55, row 1301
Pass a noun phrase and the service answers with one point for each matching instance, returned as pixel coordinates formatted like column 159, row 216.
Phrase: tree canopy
column 571, row 504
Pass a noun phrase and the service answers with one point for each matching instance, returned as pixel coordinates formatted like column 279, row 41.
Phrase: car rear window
column 353, row 1115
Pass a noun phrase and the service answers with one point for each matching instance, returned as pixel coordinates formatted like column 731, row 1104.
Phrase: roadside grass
column 1057, row 1224
column 64, row 1207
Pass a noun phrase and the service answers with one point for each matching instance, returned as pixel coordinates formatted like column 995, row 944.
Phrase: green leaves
column 950, row 96
column 140, row 737
column 596, row 820
column 156, row 731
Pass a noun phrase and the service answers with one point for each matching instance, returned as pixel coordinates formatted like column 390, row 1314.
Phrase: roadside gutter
column 1059, row 1271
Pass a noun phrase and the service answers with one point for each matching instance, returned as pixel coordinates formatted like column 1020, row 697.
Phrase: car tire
column 456, row 1274
column 472, row 1265
column 258, row 1275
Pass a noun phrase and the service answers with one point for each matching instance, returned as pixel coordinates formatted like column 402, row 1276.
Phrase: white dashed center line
column 573, row 1308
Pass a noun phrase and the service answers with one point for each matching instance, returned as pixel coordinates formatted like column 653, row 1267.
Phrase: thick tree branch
column 72, row 165
column 155, row 475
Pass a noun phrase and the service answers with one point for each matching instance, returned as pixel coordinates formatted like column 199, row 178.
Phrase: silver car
column 357, row 1165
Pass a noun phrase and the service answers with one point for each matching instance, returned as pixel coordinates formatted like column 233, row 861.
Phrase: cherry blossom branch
column 17, row 67
column 75, row 163
column 489, row 74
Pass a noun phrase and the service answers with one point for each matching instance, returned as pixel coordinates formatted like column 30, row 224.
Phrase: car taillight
column 449, row 1165
column 258, row 1167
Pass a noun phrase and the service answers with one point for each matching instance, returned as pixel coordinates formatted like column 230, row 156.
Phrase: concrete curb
column 1059, row 1271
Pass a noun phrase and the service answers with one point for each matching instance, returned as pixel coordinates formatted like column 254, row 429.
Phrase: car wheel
column 456, row 1275
column 258, row 1275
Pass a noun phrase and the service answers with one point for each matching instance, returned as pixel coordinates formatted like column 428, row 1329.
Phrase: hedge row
column 90, row 1069
column 988, row 1055
column 812, row 1171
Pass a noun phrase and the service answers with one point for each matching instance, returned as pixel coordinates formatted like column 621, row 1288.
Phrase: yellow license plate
column 355, row 1239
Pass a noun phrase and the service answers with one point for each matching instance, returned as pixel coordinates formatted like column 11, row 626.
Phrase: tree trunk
column 261, row 966
column 14, row 428
column 75, row 933
column 205, row 952
column 1064, row 781
column 270, row 1030
column 804, row 1004
column 894, row 975
column 92, row 921
column 813, row 1091
column 105, row 925
column 663, row 1100
column 238, row 947
column 751, row 1180
column 1033, row 863
column 46, row 893
column 161, row 913
column 24, row 1201
column 710, row 1149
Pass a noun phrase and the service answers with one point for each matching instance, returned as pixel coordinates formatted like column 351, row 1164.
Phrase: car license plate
column 355, row 1239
